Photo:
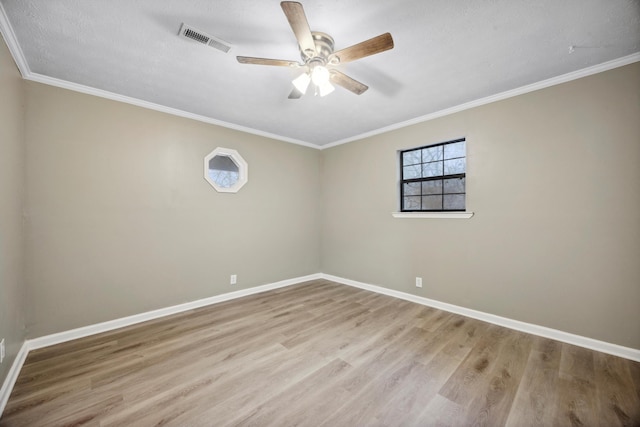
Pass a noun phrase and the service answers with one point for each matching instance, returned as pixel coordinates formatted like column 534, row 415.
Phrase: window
column 433, row 178
column 225, row 170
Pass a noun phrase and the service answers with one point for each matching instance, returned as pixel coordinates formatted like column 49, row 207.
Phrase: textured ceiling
column 447, row 53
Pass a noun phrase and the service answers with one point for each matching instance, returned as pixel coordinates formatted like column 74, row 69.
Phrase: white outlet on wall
column 234, row 279
column 2, row 350
column 418, row 282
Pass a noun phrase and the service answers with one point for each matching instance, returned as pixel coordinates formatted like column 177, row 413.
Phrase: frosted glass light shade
column 325, row 89
column 302, row 82
column 320, row 75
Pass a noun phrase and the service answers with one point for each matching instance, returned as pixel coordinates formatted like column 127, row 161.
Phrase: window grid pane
column 455, row 166
column 411, row 203
column 431, row 169
column 432, row 203
column 432, row 154
column 454, row 186
column 413, row 171
column 412, row 189
column 453, row 201
column 431, row 187
column 457, row 149
column 411, row 158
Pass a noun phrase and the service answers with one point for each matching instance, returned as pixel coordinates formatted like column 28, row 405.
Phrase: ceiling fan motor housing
column 324, row 48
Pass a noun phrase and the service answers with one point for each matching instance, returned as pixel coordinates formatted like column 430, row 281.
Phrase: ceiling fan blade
column 295, row 94
column 266, row 61
column 299, row 24
column 348, row 83
column 366, row 48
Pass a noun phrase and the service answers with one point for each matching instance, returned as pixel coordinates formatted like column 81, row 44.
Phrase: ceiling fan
column 319, row 61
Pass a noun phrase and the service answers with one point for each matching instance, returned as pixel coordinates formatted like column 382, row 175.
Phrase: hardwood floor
column 322, row 354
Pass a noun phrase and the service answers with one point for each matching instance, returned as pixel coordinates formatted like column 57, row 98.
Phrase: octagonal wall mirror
column 225, row 170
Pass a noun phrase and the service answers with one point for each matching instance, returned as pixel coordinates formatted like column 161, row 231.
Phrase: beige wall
column 121, row 220
column 554, row 180
column 12, row 302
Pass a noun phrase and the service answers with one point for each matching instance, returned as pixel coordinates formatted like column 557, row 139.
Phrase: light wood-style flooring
column 322, row 354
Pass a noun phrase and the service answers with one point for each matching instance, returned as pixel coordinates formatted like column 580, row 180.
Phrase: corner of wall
column 12, row 193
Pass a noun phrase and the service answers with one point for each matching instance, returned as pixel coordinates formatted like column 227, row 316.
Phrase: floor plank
column 321, row 353
column 536, row 398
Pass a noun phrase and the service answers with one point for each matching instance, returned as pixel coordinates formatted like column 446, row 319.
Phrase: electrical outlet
column 418, row 282
column 2, row 350
column 234, row 279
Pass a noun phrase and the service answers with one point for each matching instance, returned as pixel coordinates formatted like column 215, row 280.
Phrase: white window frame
column 466, row 214
column 243, row 169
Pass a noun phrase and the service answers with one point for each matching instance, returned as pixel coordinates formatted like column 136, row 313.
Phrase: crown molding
column 18, row 56
column 12, row 43
column 52, row 81
column 564, row 78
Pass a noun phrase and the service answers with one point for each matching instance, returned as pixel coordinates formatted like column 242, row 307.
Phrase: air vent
column 204, row 38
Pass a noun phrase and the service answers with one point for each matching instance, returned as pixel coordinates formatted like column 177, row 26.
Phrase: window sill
column 437, row 215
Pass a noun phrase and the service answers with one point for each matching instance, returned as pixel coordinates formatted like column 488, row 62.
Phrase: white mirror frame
column 243, row 169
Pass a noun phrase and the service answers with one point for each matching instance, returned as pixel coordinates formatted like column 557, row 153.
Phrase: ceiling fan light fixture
column 302, row 82
column 320, row 75
column 325, row 88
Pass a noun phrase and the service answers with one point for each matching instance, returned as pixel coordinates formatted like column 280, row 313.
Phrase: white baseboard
column 12, row 377
column 7, row 386
column 110, row 325
column 590, row 343
column 85, row 331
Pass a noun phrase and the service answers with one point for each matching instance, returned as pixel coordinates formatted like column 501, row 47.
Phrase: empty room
column 320, row 213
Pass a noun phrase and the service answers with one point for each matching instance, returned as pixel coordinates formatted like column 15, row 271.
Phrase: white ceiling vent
column 191, row 33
